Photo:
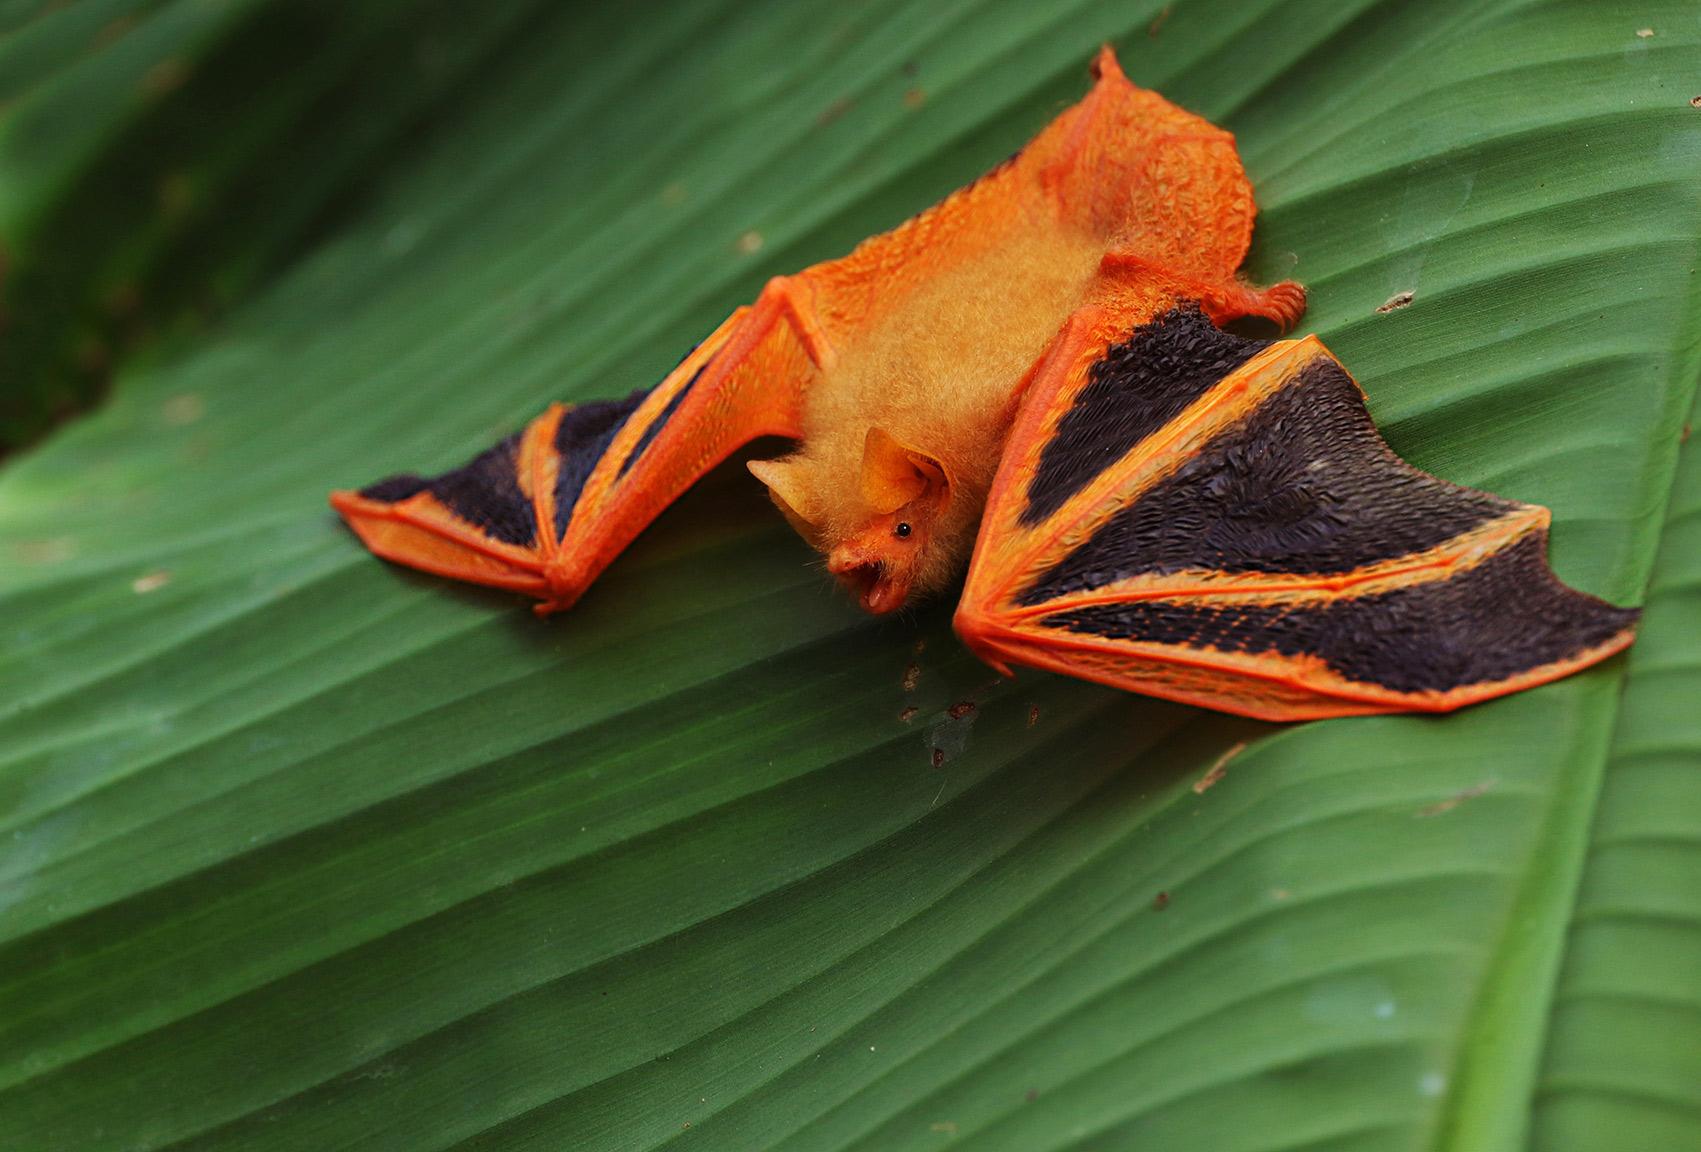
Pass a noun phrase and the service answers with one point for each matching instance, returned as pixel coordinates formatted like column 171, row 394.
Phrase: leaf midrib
column 1492, row 1114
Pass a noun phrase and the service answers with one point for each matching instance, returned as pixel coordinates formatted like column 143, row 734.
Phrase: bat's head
column 887, row 528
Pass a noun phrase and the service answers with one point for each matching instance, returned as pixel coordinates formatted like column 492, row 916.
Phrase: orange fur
column 935, row 326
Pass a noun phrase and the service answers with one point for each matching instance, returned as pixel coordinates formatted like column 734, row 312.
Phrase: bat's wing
column 546, row 510
column 1214, row 520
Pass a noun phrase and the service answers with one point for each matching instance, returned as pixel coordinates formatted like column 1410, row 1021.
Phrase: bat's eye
column 902, row 530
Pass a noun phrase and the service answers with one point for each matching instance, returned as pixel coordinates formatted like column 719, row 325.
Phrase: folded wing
column 546, row 510
column 1192, row 515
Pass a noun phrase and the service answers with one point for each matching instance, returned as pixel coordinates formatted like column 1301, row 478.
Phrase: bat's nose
column 844, row 560
column 867, row 579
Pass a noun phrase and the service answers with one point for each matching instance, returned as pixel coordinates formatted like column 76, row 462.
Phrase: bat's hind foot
column 1282, row 303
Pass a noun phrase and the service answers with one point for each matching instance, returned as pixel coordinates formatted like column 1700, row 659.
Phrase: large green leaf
column 159, row 153
column 300, row 851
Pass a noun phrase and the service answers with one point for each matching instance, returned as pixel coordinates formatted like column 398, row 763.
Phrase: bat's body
column 1160, row 505
column 947, row 392
column 1125, row 190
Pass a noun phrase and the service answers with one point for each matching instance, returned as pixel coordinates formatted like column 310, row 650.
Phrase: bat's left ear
column 789, row 489
column 894, row 474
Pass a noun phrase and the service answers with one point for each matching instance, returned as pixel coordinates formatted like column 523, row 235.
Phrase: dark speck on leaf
column 1160, row 901
column 833, row 111
column 961, row 709
column 939, row 757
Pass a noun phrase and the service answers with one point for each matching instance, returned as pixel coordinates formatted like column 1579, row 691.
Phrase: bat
column 1031, row 381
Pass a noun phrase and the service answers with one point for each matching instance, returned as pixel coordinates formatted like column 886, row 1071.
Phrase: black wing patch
column 1304, row 484
column 484, row 492
column 581, row 440
column 1491, row 622
column 1140, row 386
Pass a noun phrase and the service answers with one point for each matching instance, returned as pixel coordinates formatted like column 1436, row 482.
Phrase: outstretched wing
column 1215, row 520
column 546, row 510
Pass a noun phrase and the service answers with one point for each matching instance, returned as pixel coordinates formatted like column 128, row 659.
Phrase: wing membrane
column 1216, row 520
column 546, row 510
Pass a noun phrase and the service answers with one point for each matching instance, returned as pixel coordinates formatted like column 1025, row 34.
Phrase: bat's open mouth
column 872, row 585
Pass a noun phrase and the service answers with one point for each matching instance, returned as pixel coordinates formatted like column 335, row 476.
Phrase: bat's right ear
column 789, row 489
column 894, row 474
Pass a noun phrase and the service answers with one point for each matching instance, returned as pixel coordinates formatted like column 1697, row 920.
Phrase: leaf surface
column 299, row 851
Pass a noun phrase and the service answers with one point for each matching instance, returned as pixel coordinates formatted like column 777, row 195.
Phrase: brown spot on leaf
column 1033, row 715
column 113, row 31
column 750, row 243
column 961, row 709
column 1395, row 302
column 1695, row 101
column 914, row 98
column 908, row 714
column 1456, row 799
column 834, row 110
column 1160, row 901
column 673, row 194
column 1683, row 436
column 1157, row 25
column 176, row 194
column 1031, row 1095
column 939, row 757
column 168, row 75
column 150, row 582
column 912, row 673
column 1219, row 769
column 184, row 408
column 93, row 356
column 124, row 300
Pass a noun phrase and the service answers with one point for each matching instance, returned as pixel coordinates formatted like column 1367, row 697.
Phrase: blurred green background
column 300, row 851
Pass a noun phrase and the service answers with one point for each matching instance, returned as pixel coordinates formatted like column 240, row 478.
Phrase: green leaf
column 300, row 851
column 160, row 154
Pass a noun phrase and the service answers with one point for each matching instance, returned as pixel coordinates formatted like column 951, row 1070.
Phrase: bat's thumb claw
column 1105, row 65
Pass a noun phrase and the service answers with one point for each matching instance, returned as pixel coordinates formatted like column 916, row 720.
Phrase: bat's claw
column 1282, row 303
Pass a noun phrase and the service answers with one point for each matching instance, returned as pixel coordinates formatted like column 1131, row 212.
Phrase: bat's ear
column 789, row 489
column 894, row 474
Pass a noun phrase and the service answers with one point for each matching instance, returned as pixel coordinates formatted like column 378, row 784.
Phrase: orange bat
column 1161, row 506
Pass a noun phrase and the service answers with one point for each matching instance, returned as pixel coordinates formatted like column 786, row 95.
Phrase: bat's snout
column 870, row 580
